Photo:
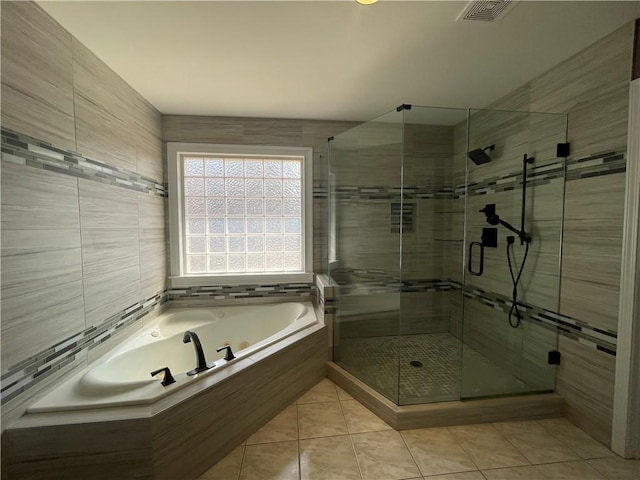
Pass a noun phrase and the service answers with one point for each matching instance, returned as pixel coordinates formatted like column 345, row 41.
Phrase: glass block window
column 242, row 214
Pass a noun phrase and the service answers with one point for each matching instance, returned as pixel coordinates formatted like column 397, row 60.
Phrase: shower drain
column 415, row 363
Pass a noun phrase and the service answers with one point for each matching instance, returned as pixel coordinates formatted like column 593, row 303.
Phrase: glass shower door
column 512, row 251
column 430, row 343
column 364, row 176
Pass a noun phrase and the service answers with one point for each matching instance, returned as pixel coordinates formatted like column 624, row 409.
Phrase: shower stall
column 420, row 204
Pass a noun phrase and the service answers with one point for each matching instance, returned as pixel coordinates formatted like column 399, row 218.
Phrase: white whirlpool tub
column 123, row 377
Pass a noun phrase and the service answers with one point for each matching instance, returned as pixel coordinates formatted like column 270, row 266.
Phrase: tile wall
column 376, row 167
column 83, row 224
column 83, row 194
column 268, row 131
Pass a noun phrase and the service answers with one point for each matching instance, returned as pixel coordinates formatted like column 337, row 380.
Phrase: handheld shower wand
column 525, row 239
column 493, row 219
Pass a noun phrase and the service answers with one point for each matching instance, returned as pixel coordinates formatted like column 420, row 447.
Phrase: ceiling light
column 366, row 2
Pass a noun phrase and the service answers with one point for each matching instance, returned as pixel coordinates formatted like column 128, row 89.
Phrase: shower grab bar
column 481, row 268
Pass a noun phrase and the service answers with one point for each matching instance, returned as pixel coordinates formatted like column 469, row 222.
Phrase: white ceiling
column 330, row 59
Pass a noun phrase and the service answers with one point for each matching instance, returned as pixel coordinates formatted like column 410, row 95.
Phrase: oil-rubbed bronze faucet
column 201, row 366
column 167, row 379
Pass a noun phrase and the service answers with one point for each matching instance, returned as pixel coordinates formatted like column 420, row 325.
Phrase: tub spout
column 191, row 336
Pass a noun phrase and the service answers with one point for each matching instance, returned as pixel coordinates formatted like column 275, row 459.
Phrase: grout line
column 462, row 448
column 344, row 419
column 244, row 449
column 519, row 450
column 353, row 447
column 82, row 255
column 410, row 452
column 559, row 439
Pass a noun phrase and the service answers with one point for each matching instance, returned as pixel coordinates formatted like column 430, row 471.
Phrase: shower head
column 479, row 157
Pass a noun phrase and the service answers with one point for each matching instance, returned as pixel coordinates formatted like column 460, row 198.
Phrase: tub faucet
column 191, row 336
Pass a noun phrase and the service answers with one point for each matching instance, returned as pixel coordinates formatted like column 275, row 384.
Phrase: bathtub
column 123, row 376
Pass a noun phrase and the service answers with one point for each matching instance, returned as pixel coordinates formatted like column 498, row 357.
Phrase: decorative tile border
column 541, row 175
column 319, row 191
column 407, row 286
column 596, row 165
column 582, row 332
column 29, row 151
column 31, row 371
column 226, row 292
column 378, row 281
column 380, row 192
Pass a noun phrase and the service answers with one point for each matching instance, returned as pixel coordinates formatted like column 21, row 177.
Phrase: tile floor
column 327, row 435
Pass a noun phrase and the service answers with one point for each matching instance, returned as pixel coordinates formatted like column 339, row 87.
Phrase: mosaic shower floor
column 380, row 361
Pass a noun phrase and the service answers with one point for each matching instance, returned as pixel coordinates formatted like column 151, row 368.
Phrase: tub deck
column 202, row 422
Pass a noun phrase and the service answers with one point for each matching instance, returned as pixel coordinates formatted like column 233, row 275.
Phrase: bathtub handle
column 229, row 355
column 168, row 378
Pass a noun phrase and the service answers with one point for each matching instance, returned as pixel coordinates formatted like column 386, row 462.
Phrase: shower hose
column 515, row 280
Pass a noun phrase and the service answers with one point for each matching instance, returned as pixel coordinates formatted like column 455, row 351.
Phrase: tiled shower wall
column 409, row 164
column 593, row 88
column 83, row 193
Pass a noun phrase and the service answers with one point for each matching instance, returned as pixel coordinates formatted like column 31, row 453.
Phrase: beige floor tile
column 328, row 458
column 578, row 441
column 228, row 468
column 569, row 471
column 458, row 476
column 323, row 391
column 281, row 428
column 342, row 395
column 360, row 419
column 486, row 447
column 383, row 456
column 321, row 420
column 617, row 468
column 270, row 461
column 514, row 473
column 436, row 451
column 535, row 443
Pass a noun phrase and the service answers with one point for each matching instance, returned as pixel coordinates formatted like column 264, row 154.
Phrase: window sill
column 242, row 279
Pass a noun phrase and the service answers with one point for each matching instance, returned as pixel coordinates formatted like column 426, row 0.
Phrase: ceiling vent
column 486, row 11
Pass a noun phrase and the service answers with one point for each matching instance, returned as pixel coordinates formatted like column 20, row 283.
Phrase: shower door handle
column 481, row 268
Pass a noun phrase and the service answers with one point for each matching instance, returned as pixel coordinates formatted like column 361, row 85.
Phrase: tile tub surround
column 28, row 373
column 83, row 250
column 100, row 249
column 180, row 436
column 371, row 450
